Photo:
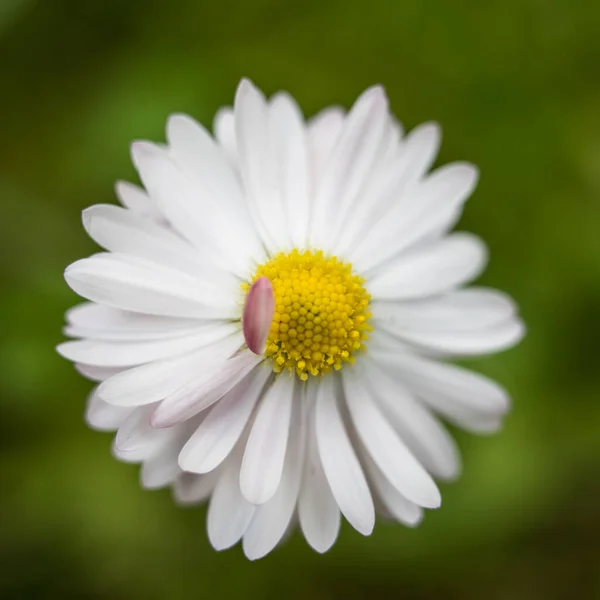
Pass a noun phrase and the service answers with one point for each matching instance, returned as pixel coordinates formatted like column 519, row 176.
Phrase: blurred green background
column 516, row 86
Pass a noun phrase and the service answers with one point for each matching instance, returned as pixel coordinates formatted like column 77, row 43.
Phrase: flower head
column 270, row 321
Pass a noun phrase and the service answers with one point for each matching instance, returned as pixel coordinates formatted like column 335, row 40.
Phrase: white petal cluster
column 161, row 333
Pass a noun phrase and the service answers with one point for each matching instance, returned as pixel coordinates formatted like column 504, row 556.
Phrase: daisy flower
column 270, row 321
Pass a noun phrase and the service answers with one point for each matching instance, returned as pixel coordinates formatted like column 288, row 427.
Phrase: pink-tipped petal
column 258, row 314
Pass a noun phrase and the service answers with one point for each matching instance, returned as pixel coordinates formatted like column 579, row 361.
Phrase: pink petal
column 258, row 314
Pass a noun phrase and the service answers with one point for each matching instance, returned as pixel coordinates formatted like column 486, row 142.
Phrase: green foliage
column 515, row 85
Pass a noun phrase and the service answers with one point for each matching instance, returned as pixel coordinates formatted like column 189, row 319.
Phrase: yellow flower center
column 321, row 312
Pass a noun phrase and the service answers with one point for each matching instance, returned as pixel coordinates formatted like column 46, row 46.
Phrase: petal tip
column 416, row 521
column 379, row 93
column 254, row 491
column 434, row 501
column 366, row 528
column 86, row 218
column 141, row 150
column 253, row 494
column 521, row 331
column 176, row 123
column 245, row 84
column 321, row 548
column 430, row 130
column 60, row 349
column 245, row 87
column 159, row 420
column 187, row 463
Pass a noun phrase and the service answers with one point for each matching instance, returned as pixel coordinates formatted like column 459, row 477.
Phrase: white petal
column 224, row 130
column 420, row 148
column 272, row 519
column 393, row 501
column 229, row 513
column 356, row 150
column 387, row 450
column 193, row 148
column 216, row 185
column 221, row 429
column 426, row 437
column 194, row 489
column 262, row 465
column 422, row 208
column 205, row 389
column 153, row 382
column 137, row 440
column 384, row 193
column 323, row 131
column 132, row 284
column 94, row 373
column 162, row 469
column 129, row 457
column 318, row 511
column 95, row 321
column 292, row 160
column 466, row 398
column 380, row 196
column 476, row 423
column 459, row 310
column 119, row 230
column 127, row 354
column 103, row 416
column 394, row 142
column 136, row 200
column 256, row 159
column 469, row 343
column 190, row 210
column 344, row 473
column 444, row 265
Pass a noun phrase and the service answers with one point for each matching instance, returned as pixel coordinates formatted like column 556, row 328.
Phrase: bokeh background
column 516, row 86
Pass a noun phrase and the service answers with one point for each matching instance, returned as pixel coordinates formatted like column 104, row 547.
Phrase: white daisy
column 321, row 234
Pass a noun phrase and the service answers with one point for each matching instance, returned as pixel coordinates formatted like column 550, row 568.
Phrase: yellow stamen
column 321, row 312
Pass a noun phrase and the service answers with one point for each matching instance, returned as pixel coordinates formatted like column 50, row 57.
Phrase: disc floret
column 321, row 312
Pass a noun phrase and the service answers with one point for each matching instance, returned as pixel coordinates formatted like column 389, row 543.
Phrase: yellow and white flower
column 270, row 321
